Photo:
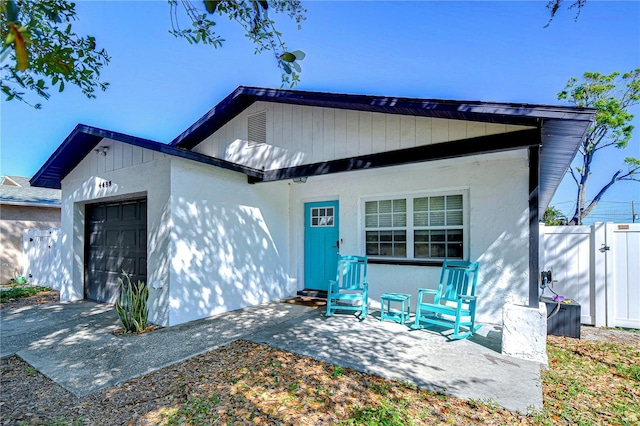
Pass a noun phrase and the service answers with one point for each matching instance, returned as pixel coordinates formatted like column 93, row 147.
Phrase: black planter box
column 564, row 321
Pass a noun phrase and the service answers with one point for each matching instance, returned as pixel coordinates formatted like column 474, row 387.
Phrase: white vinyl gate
column 41, row 251
column 598, row 267
column 623, row 295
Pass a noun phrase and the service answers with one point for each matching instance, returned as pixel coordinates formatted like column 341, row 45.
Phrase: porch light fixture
column 101, row 150
column 302, row 179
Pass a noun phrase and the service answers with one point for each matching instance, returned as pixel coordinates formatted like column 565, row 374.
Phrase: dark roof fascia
column 488, row 112
column 461, row 148
column 82, row 140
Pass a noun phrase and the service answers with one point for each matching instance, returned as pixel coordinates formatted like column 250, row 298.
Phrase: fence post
column 598, row 277
column 609, row 273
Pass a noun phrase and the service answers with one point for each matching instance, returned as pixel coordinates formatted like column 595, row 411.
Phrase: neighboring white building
column 253, row 202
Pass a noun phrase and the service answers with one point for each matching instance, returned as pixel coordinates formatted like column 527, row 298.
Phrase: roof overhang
column 83, row 139
column 558, row 133
column 560, row 128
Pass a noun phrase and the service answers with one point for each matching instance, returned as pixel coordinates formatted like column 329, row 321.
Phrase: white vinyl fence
column 597, row 266
column 41, row 251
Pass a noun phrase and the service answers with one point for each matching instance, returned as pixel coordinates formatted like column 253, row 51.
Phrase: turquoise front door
column 321, row 244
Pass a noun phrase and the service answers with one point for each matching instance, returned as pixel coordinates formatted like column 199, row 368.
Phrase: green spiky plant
column 131, row 306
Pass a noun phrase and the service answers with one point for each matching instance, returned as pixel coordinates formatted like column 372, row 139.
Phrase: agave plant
column 131, row 306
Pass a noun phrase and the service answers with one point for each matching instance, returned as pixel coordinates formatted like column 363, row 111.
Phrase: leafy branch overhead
column 40, row 50
column 554, row 6
column 254, row 18
column 612, row 96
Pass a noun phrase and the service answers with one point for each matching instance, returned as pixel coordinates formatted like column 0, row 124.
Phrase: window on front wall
column 415, row 227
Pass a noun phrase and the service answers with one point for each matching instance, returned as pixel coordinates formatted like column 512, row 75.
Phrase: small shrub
column 20, row 292
column 131, row 306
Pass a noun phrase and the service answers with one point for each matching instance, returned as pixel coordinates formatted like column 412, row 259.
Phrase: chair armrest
column 426, row 291
column 333, row 284
column 464, row 296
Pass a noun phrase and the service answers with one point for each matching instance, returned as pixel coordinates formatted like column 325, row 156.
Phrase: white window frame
column 410, row 228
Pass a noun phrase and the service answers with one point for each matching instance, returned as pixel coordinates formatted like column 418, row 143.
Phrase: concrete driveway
column 72, row 343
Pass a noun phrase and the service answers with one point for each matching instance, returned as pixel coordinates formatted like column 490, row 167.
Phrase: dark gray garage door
column 116, row 240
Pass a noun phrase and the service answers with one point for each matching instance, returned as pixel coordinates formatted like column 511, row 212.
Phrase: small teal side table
column 405, row 307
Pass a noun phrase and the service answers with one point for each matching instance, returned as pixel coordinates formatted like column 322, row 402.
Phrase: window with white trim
column 416, row 227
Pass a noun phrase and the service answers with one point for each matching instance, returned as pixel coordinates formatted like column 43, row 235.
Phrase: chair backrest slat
column 457, row 277
column 352, row 272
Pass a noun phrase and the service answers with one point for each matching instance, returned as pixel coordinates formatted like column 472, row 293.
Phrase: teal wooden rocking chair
column 350, row 290
column 453, row 303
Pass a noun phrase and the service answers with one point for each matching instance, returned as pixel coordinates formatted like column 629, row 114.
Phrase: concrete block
column 524, row 332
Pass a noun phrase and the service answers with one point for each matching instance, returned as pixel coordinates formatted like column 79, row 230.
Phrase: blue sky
column 489, row 51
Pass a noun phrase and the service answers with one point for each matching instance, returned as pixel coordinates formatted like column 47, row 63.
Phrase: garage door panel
column 142, row 239
column 113, row 213
column 117, row 241
column 95, row 239
column 130, row 212
column 112, row 264
column 112, row 237
column 97, row 262
column 97, row 214
column 129, row 264
column 130, row 238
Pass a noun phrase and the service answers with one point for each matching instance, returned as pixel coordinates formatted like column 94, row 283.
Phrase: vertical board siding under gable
column 340, row 133
column 407, row 131
column 307, row 131
column 299, row 134
column 147, row 155
column 287, row 129
column 329, row 143
column 476, row 129
column 378, row 132
column 457, row 130
column 296, row 129
column 101, row 163
column 392, row 133
column 127, row 155
column 119, row 156
column 423, row 131
column 136, row 155
column 353, row 128
column 317, row 134
column 277, row 124
column 366, row 126
column 439, row 130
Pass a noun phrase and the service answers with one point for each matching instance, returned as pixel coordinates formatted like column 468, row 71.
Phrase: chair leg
column 329, row 313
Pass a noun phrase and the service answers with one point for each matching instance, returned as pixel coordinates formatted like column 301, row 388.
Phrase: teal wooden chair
column 453, row 304
column 350, row 290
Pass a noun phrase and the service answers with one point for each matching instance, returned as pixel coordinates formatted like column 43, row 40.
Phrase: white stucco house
column 253, row 202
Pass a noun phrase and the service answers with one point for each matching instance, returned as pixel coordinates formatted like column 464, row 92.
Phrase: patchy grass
column 590, row 382
column 16, row 293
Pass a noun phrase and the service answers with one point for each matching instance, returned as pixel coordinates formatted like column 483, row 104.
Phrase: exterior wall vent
column 257, row 128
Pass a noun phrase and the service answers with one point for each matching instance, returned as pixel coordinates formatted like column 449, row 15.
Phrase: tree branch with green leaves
column 611, row 95
column 40, row 51
column 253, row 16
